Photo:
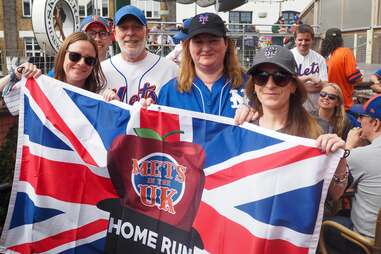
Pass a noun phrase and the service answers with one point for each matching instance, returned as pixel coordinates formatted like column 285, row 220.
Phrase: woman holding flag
column 277, row 95
column 76, row 63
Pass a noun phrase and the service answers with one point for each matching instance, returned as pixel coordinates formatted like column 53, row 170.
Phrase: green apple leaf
column 147, row 133
column 171, row 132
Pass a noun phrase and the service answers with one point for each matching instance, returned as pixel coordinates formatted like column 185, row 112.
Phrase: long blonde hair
column 299, row 122
column 232, row 67
column 338, row 119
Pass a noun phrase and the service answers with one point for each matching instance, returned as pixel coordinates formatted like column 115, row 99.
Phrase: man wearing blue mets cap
column 135, row 73
column 364, row 165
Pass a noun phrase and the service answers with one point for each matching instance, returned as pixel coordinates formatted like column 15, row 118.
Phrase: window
column 31, row 47
column 151, row 8
column 27, row 8
column 93, row 7
column 240, row 17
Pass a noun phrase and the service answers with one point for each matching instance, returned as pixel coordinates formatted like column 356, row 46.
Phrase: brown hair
column 232, row 67
column 304, row 28
column 338, row 119
column 96, row 81
column 299, row 122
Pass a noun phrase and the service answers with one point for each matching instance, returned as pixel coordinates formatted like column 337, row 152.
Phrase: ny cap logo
column 271, row 52
column 203, row 19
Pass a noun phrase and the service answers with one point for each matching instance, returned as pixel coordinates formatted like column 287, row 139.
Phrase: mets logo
column 159, row 181
column 236, row 99
column 203, row 19
column 271, row 52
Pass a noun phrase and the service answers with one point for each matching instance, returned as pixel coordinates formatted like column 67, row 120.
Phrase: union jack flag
column 264, row 191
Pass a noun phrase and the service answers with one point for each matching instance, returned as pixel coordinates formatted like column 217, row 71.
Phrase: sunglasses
column 280, row 78
column 102, row 34
column 331, row 96
column 76, row 57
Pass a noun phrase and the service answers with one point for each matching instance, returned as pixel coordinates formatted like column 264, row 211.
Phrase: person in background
column 289, row 41
column 135, row 73
column 211, row 79
column 180, row 36
column 375, row 81
column 364, row 165
column 76, row 63
column 278, row 27
column 341, row 62
column 331, row 109
column 99, row 29
column 275, row 91
column 311, row 67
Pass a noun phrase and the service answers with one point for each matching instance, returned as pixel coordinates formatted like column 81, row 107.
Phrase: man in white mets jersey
column 135, row 73
column 311, row 66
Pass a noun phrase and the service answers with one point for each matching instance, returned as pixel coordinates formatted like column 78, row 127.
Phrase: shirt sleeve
column 323, row 70
column 351, row 71
column 12, row 99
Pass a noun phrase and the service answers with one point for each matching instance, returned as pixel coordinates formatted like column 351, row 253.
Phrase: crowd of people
column 299, row 92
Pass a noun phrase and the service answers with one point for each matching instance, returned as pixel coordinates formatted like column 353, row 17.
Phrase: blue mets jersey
column 222, row 100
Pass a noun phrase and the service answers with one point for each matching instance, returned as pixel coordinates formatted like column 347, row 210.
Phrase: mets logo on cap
column 159, row 181
column 203, row 19
column 271, row 52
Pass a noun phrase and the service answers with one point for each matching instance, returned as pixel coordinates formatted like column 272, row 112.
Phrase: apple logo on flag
column 159, row 185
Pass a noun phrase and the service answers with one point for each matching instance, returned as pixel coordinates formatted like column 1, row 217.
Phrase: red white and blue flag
column 261, row 191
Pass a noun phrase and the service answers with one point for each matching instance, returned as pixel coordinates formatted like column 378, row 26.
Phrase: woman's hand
column 330, row 143
column 145, row 103
column 245, row 113
column 110, row 95
column 27, row 70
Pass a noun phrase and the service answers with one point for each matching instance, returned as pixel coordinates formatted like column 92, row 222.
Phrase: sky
column 270, row 7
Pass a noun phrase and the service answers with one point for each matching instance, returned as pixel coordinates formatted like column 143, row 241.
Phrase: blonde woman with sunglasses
column 331, row 109
column 76, row 63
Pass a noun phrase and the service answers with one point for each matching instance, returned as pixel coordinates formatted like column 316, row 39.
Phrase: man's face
column 102, row 37
column 131, row 36
column 303, row 42
column 367, row 127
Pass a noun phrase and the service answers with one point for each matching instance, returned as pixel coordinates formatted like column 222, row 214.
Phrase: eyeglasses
column 331, row 96
column 280, row 78
column 102, row 34
column 76, row 57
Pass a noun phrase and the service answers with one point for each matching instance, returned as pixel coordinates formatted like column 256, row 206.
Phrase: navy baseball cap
column 130, row 10
column 183, row 33
column 280, row 56
column 88, row 20
column 209, row 23
column 371, row 108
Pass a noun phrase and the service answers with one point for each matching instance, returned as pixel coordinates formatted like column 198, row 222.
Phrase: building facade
column 360, row 22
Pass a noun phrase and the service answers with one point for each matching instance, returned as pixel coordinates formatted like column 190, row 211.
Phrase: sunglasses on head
column 331, row 96
column 280, row 78
column 76, row 57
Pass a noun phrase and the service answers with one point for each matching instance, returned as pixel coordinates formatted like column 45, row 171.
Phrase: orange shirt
column 343, row 71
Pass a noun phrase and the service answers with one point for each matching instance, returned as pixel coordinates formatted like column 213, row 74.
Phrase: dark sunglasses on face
column 76, row 57
column 102, row 34
column 280, row 78
column 331, row 96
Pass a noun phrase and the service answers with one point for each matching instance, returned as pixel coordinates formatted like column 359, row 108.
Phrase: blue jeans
column 335, row 242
